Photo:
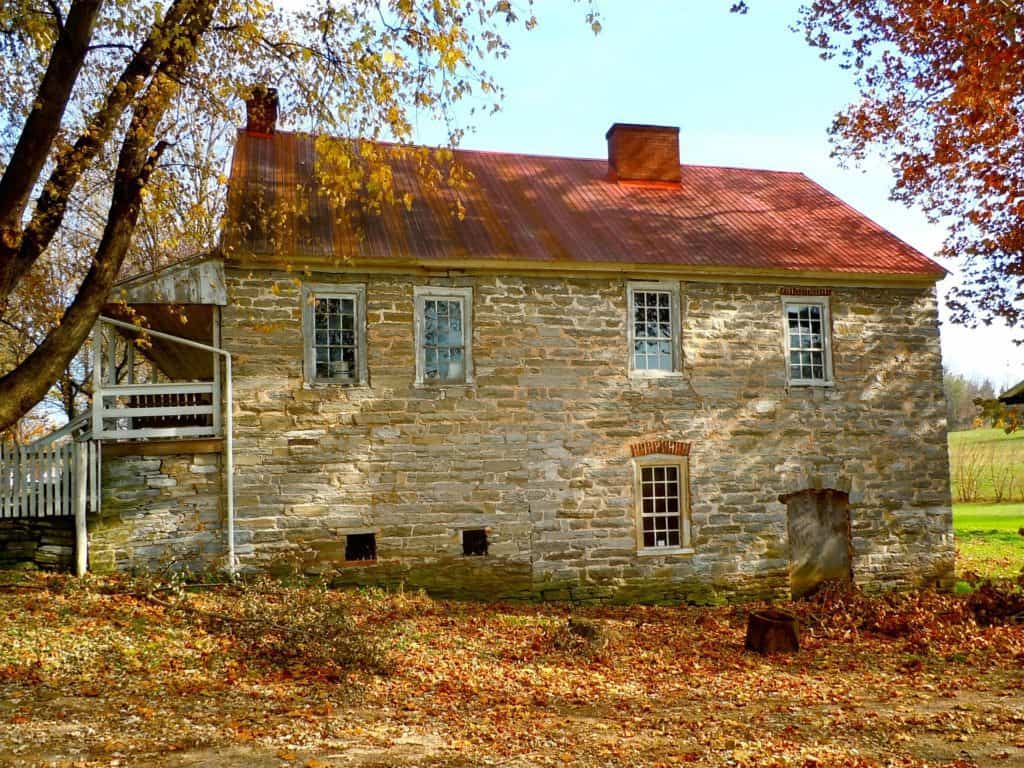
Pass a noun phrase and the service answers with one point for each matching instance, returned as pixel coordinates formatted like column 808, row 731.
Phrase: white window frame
column 309, row 294
column 664, row 286
column 682, row 465
column 826, row 335
column 423, row 293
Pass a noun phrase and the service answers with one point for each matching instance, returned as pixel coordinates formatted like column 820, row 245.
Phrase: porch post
column 80, row 454
column 97, row 379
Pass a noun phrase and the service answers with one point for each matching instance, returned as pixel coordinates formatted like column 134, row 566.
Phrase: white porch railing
column 130, row 410
column 142, row 411
column 48, row 477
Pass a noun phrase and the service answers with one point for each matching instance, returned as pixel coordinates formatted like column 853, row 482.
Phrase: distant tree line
column 962, row 410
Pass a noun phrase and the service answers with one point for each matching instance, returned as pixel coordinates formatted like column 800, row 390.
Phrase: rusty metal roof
column 523, row 209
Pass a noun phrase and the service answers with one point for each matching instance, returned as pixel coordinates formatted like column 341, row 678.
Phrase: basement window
column 360, row 547
column 474, row 542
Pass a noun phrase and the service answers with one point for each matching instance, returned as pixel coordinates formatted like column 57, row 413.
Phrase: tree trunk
column 27, row 384
column 38, row 133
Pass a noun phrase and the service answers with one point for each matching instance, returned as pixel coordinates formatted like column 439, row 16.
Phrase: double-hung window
column 661, row 492
column 444, row 335
column 808, row 353
column 653, row 328
column 334, row 333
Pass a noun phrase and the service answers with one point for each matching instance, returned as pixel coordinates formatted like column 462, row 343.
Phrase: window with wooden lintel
column 444, row 335
column 653, row 328
column 334, row 333
column 807, row 338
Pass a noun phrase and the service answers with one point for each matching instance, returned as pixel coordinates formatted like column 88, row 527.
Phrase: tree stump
column 772, row 631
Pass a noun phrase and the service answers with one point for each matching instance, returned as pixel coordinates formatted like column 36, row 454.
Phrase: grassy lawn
column 986, row 532
column 115, row 673
column 987, row 538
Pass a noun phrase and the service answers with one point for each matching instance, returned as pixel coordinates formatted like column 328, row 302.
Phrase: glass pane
column 443, row 355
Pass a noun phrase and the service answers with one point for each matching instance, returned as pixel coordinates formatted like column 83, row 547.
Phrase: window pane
column 335, row 349
column 661, row 506
column 652, row 330
column 806, row 341
column 443, row 342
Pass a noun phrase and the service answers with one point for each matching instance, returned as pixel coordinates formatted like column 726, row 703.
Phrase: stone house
column 619, row 379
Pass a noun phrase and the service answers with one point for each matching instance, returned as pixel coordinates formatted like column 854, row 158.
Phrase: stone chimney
column 643, row 153
column 261, row 110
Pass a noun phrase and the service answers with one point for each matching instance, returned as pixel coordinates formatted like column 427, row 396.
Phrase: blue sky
column 745, row 91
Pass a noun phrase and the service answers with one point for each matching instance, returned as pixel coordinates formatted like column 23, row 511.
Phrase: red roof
column 534, row 209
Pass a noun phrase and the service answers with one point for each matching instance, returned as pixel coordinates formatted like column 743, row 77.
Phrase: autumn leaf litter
column 121, row 672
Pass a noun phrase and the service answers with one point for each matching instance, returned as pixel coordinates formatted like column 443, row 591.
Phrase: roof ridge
column 538, row 155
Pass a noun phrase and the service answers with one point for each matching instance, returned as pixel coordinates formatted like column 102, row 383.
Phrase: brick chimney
column 643, row 153
column 261, row 110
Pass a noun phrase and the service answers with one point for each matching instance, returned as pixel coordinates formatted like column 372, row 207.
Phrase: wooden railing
column 50, row 477
column 141, row 411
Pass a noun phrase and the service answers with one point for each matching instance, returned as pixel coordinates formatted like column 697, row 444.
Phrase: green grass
column 987, row 538
column 991, row 518
column 986, row 532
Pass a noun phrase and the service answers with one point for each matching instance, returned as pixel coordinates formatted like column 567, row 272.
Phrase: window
column 808, row 357
column 444, row 335
column 334, row 333
column 662, row 498
column 653, row 328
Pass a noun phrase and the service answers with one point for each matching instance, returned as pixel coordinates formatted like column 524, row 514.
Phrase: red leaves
column 941, row 98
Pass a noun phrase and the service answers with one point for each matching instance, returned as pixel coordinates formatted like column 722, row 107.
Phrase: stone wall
column 537, row 451
column 158, row 512
column 37, row 542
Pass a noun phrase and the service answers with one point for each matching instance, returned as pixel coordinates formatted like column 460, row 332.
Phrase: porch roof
column 178, row 299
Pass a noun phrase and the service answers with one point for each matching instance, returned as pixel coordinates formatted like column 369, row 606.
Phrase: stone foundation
column 159, row 512
column 41, row 542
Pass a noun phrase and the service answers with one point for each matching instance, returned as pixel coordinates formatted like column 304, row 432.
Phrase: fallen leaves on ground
column 105, row 672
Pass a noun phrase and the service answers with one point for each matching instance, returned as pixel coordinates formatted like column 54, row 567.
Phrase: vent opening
column 360, row 546
column 474, row 542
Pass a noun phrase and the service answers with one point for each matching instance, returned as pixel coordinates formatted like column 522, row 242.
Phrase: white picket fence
column 49, row 477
